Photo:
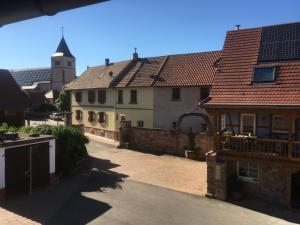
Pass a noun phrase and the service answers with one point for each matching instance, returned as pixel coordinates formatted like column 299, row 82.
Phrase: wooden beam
column 290, row 136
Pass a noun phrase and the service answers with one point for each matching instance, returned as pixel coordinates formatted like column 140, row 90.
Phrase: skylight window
column 264, row 75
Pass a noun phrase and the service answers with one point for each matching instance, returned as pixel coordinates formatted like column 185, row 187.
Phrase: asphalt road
column 100, row 196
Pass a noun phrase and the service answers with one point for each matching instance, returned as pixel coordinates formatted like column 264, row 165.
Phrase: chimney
column 237, row 27
column 135, row 55
column 106, row 62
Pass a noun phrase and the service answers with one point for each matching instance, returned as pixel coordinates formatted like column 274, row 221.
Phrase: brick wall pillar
column 124, row 134
column 216, row 177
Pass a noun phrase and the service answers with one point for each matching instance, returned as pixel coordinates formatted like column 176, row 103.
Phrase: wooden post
column 215, row 129
column 290, row 136
column 289, row 189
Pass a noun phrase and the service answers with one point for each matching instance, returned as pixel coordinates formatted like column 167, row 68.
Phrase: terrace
column 259, row 135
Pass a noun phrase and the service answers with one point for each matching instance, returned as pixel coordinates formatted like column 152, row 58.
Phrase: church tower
column 63, row 65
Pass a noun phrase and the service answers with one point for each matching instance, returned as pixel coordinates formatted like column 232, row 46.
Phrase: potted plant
column 235, row 187
column 190, row 150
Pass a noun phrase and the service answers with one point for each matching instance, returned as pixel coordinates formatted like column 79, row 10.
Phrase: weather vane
column 62, row 31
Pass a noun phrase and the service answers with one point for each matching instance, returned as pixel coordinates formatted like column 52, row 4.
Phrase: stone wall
column 272, row 185
column 163, row 141
column 103, row 133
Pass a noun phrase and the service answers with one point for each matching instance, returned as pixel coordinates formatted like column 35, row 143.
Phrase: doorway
column 26, row 168
column 296, row 190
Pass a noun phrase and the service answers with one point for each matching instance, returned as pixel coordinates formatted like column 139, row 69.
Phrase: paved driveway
column 166, row 171
column 109, row 191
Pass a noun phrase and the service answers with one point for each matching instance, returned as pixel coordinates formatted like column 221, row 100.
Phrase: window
column 57, row 63
column 280, row 124
column 264, row 75
column 223, row 121
column 120, row 96
column 133, row 97
column 247, row 171
column 78, row 96
column 174, row 124
column 102, row 96
column 140, row 123
column 92, row 116
column 175, row 94
column 102, row 117
column 78, row 115
column 63, row 77
column 123, row 118
column 248, row 124
column 69, row 63
column 204, row 92
column 91, row 96
column 10, row 113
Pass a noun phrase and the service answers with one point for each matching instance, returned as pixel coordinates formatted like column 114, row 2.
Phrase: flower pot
column 190, row 154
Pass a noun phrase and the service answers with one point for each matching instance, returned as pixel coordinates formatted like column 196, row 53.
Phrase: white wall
column 2, row 168
column 52, row 156
column 167, row 111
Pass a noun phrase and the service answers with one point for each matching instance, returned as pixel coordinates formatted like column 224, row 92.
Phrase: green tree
column 63, row 103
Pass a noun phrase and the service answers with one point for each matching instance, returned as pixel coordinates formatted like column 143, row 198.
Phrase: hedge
column 70, row 144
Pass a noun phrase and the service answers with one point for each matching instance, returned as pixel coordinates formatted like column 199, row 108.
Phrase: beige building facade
column 148, row 92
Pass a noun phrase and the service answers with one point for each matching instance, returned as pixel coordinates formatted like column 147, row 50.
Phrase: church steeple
column 63, row 48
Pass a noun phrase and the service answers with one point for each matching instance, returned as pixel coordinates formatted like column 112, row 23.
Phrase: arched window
column 102, row 117
column 78, row 115
column 92, row 116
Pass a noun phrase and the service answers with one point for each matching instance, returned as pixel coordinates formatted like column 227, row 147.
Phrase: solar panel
column 280, row 43
column 29, row 76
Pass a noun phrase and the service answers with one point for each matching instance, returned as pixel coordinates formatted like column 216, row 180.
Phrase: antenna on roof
column 237, row 27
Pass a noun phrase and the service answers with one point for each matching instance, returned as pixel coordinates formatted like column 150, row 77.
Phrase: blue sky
column 156, row 27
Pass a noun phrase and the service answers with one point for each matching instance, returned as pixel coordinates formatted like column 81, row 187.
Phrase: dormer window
column 263, row 75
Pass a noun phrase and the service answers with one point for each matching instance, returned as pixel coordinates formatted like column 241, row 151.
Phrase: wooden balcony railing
column 258, row 146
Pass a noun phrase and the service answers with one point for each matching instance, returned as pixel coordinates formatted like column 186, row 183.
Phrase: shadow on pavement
column 270, row 209
column 63, row 203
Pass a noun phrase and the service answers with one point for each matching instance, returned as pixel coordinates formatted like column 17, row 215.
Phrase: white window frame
column 279, row 131
column 223, row 121
column 248, row 179
column 254, row 122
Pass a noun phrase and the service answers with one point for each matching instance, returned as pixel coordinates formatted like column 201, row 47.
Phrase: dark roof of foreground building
column 27, row 77
column 64, row 49
column 98, row 76
column 15, row 98
column 245, row 50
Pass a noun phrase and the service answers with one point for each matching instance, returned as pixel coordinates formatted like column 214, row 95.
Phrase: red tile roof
column 143, row 72
column 195, row 69
column 233, row 82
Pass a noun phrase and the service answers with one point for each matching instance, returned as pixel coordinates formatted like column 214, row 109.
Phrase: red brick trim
column 2, row 196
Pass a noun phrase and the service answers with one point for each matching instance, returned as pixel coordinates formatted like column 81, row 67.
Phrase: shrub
column 70, row 145
column 26, row 130
column 4, row 127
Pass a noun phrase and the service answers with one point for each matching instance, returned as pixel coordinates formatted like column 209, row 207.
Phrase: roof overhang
column 18, row 10
column 244, row 106
column 34, row 85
